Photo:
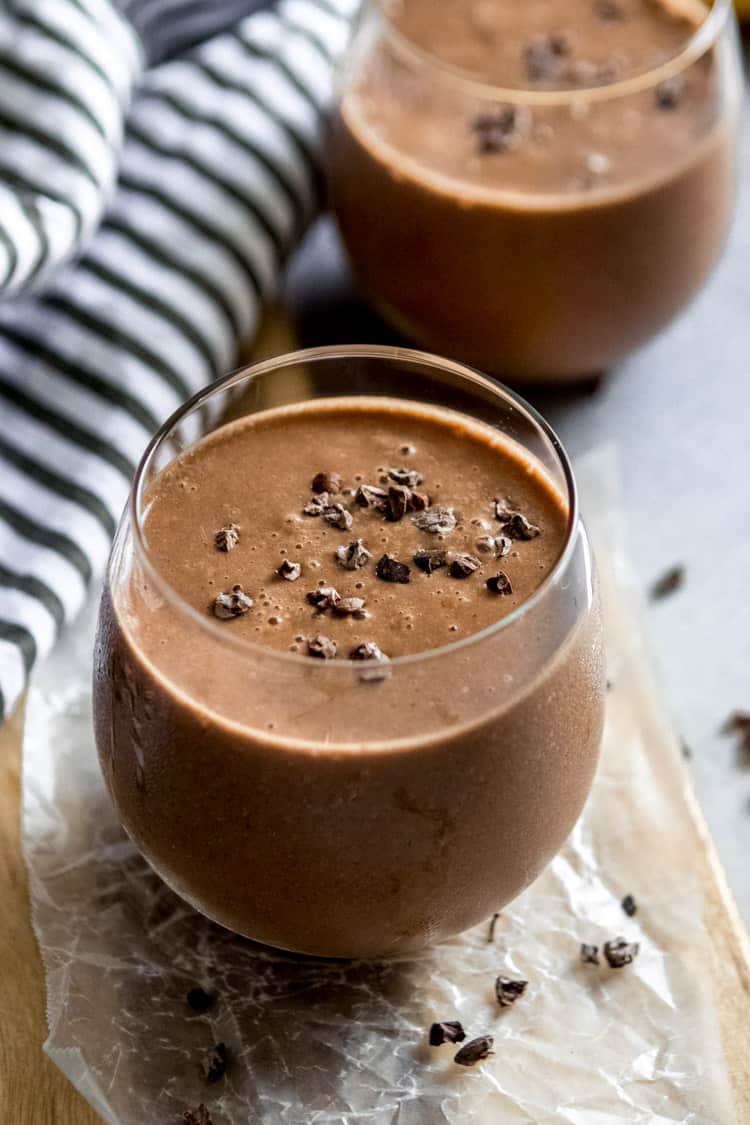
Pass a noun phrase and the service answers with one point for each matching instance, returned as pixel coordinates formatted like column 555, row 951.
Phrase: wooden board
column 34, row 1092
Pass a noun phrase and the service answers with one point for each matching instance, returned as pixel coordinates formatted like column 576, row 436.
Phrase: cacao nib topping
column 326, row 483
column 232, row 603
column 518, row 527
column 410, row 477
column 498, row 131
column 476, row 1050
column 669, row 92
column 370, row 496
column 620, row 952
column 199, row 1116
column 338, row 516
column 508, row 990
column 486, row 544
column 629, row 905
column 497, row 545
column 367, row 651
column 325, row 598
column 668, row 583
column 317, row 505
column 399, row 502
column 499, row 584
column 419, row 501
column 349, row 606
column 429, row 560
column 389, row 569
column 354, row 556
column 546, row 57
column 589, row 954
column 289, row 570
column 227, row 538
column 322, row 647
column 214, row 1065
column 436, row 520
column 449, row 1031
column 464, row 565
column 200, row 1000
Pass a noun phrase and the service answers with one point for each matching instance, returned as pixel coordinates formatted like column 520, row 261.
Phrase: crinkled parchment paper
column 315, row 1042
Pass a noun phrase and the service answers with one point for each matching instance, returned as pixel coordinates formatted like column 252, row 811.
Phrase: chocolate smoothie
column 267, row 746
column 537, row 241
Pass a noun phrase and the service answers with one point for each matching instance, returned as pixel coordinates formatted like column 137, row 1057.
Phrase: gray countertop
column 679, row 411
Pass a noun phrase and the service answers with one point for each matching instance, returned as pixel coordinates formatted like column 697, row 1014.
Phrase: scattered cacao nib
column 410, row 477
column 620, row 952
column 518, row 527
column 399, row 502
column 214, row 1065
column 629, row 905
column 499, row 584
column 232, row 603
column 669, row 92
column 436, row 520
column 429, row 560
column 322, row 647
column 450, row 1031
column 317, row 505
column 508, row 991
column 367, row 651
column 370, row 496
column 389, row 569
column 546, row 57
column 199, row 1116
column 349, row 606
column 738, row 724
column 609, row 10
column 227, row 538
column 338, row 516
column 589, row 954
column 200, row 1000
column 354, row 556
column 464, row 565
column 493, row 924
column 474, row 1051
column 668, row 583
column 498, row 131
column 328, row 483
column 418, row 501
column 324, row 598
column 289, row 570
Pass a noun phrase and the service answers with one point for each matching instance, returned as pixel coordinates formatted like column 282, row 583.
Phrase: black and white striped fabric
column 217, row 174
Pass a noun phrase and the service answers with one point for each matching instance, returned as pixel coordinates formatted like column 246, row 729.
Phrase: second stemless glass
column 541, row 234
column 301, row 802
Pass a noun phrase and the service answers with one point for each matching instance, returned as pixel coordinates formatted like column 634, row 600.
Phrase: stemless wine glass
column 539, row 232
column 321, row 807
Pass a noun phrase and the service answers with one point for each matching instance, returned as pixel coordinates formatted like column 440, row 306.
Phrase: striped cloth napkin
column 158, row 161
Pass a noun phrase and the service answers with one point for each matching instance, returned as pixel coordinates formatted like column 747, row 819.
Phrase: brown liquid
column 580, row 239
column 288, row 798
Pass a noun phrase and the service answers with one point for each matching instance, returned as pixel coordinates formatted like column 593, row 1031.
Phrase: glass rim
column 134, row 507
column 702, row 40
